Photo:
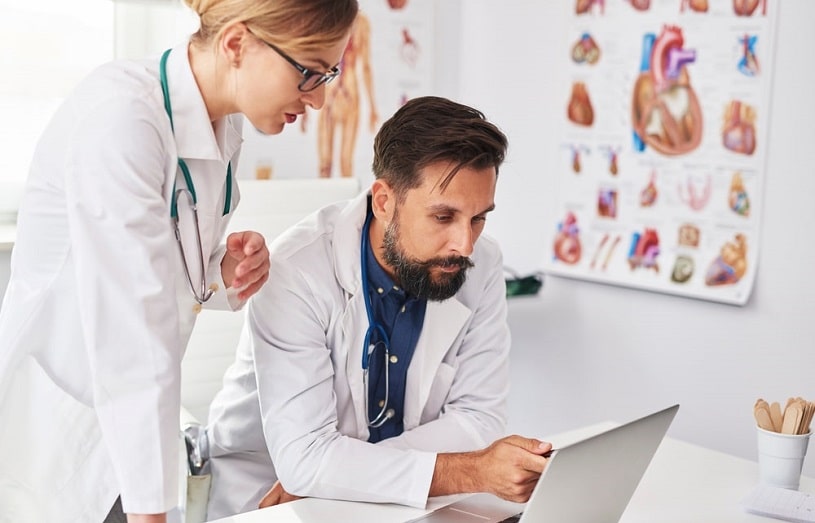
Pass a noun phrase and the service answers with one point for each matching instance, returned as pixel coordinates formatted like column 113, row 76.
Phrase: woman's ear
column 233, row 43
column 383, row 200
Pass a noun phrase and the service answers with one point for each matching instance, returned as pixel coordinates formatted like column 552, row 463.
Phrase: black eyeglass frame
column 308, row 74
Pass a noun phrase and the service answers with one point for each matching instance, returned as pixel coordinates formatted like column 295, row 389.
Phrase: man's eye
column 443, row 218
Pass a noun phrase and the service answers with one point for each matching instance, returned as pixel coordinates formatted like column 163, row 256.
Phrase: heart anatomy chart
column 664, row 126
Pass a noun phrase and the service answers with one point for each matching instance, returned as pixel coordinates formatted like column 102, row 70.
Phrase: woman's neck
column 211, row 74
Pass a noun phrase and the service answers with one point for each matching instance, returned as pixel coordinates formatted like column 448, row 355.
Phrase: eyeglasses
column 311, row 79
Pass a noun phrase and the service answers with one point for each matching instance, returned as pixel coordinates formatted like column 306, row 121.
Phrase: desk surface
column 684, row 483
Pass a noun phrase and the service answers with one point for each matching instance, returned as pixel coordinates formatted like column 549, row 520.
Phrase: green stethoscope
column 204, row 293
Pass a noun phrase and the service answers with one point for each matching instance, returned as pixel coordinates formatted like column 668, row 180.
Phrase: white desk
column 684, row 483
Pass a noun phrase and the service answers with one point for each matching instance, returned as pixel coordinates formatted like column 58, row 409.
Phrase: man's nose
column 463, row 240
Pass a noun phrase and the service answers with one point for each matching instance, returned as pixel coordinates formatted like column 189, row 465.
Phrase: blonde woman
column 120, row 243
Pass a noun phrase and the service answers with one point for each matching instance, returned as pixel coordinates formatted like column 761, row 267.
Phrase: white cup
column 781, row 457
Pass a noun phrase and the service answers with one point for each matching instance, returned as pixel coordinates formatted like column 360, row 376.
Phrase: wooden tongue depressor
column 809, row 408
column 776, row 416
column 762, row 414
column 792, row 418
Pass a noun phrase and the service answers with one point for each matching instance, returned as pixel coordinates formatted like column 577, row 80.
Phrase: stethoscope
column 204, row 293
column 368, row 348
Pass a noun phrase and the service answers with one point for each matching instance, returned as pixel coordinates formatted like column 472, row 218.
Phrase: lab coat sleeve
column 298, row 406
column 474, row 413
column 122, row 245
column 227, row 297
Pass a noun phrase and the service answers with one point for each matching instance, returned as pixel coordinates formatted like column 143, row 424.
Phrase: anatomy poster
column 664, row 120
column 388, row 60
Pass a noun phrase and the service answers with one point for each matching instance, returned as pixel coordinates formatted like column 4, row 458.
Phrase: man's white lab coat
column 294, row 395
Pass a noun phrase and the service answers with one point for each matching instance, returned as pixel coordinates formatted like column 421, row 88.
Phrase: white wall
column 584, row 352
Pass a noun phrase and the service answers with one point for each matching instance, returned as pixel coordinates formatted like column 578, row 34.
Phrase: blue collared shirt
column 402, row 317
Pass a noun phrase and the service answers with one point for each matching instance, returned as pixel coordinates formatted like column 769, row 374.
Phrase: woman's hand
column 246, row 263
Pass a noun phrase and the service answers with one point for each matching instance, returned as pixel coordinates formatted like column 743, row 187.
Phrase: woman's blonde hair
column 304, row 25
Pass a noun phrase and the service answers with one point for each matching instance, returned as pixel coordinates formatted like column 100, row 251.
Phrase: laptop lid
column 591, row 480
column 594, row 479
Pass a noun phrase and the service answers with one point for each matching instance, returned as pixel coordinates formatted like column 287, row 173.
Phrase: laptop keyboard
column 512, row 519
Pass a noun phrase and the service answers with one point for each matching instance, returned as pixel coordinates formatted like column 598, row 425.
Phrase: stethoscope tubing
column 385, row 413
column 204, row 293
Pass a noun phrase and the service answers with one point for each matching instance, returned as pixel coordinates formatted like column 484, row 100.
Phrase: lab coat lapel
column 192, row 127
column 346, row 247
column 443, row 322
column 354, row 325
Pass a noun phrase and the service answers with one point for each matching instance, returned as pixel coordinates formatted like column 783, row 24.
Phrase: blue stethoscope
column 368, row 348
column 204, row 293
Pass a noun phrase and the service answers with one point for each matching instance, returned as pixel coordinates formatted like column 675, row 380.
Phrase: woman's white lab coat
column 98, row 312
column 294, row 396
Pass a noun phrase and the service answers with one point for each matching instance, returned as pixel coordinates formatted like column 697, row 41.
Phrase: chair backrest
column 269, row 207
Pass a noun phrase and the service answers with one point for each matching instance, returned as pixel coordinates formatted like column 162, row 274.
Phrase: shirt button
column 381, row 403
column 396, row 287
column 196, row 308
column 394, row 359
column 403, row 308
column 380, row 290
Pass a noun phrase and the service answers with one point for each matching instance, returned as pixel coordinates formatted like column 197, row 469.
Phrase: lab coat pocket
column 439, row 392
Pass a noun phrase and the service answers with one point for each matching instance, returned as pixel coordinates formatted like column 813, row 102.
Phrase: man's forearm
column 455, row 473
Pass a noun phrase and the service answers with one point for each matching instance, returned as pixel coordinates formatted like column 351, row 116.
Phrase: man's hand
column 246, row 262
column 276, row 495
column 509, row 468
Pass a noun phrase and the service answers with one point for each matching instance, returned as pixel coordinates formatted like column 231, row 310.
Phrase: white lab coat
column 294, row 395
column 98, row 312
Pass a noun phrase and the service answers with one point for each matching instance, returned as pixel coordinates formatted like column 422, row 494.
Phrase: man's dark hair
column 428, row 130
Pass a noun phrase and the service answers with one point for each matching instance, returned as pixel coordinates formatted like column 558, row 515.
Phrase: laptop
column 588, row 481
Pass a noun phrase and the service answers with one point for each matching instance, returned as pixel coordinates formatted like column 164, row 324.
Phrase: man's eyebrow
column 441, row 207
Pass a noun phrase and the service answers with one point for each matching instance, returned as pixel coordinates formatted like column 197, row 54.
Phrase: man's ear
column 233, row 43
column 383, row 201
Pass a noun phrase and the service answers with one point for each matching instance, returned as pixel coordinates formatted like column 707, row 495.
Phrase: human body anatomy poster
column 662, row 165
column 388, row 60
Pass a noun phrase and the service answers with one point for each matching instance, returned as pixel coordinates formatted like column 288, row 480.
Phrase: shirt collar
column 196, row 136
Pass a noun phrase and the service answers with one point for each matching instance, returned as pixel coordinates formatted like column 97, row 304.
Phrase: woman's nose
column 315, row 98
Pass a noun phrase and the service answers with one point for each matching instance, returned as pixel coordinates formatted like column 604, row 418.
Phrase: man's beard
column 414, row 275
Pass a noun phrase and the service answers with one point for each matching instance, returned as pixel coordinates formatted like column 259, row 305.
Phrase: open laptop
column 588, row 481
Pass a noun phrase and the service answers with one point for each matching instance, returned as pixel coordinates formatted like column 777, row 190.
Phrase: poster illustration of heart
column 664, row 153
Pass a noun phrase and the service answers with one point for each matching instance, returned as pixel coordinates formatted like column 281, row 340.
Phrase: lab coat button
column 394, row 359
column 214, row 287
column 196, row 308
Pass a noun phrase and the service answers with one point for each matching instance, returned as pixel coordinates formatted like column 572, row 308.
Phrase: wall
column 602, row 352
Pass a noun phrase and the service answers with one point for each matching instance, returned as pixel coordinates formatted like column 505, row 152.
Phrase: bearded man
column 374, row 363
